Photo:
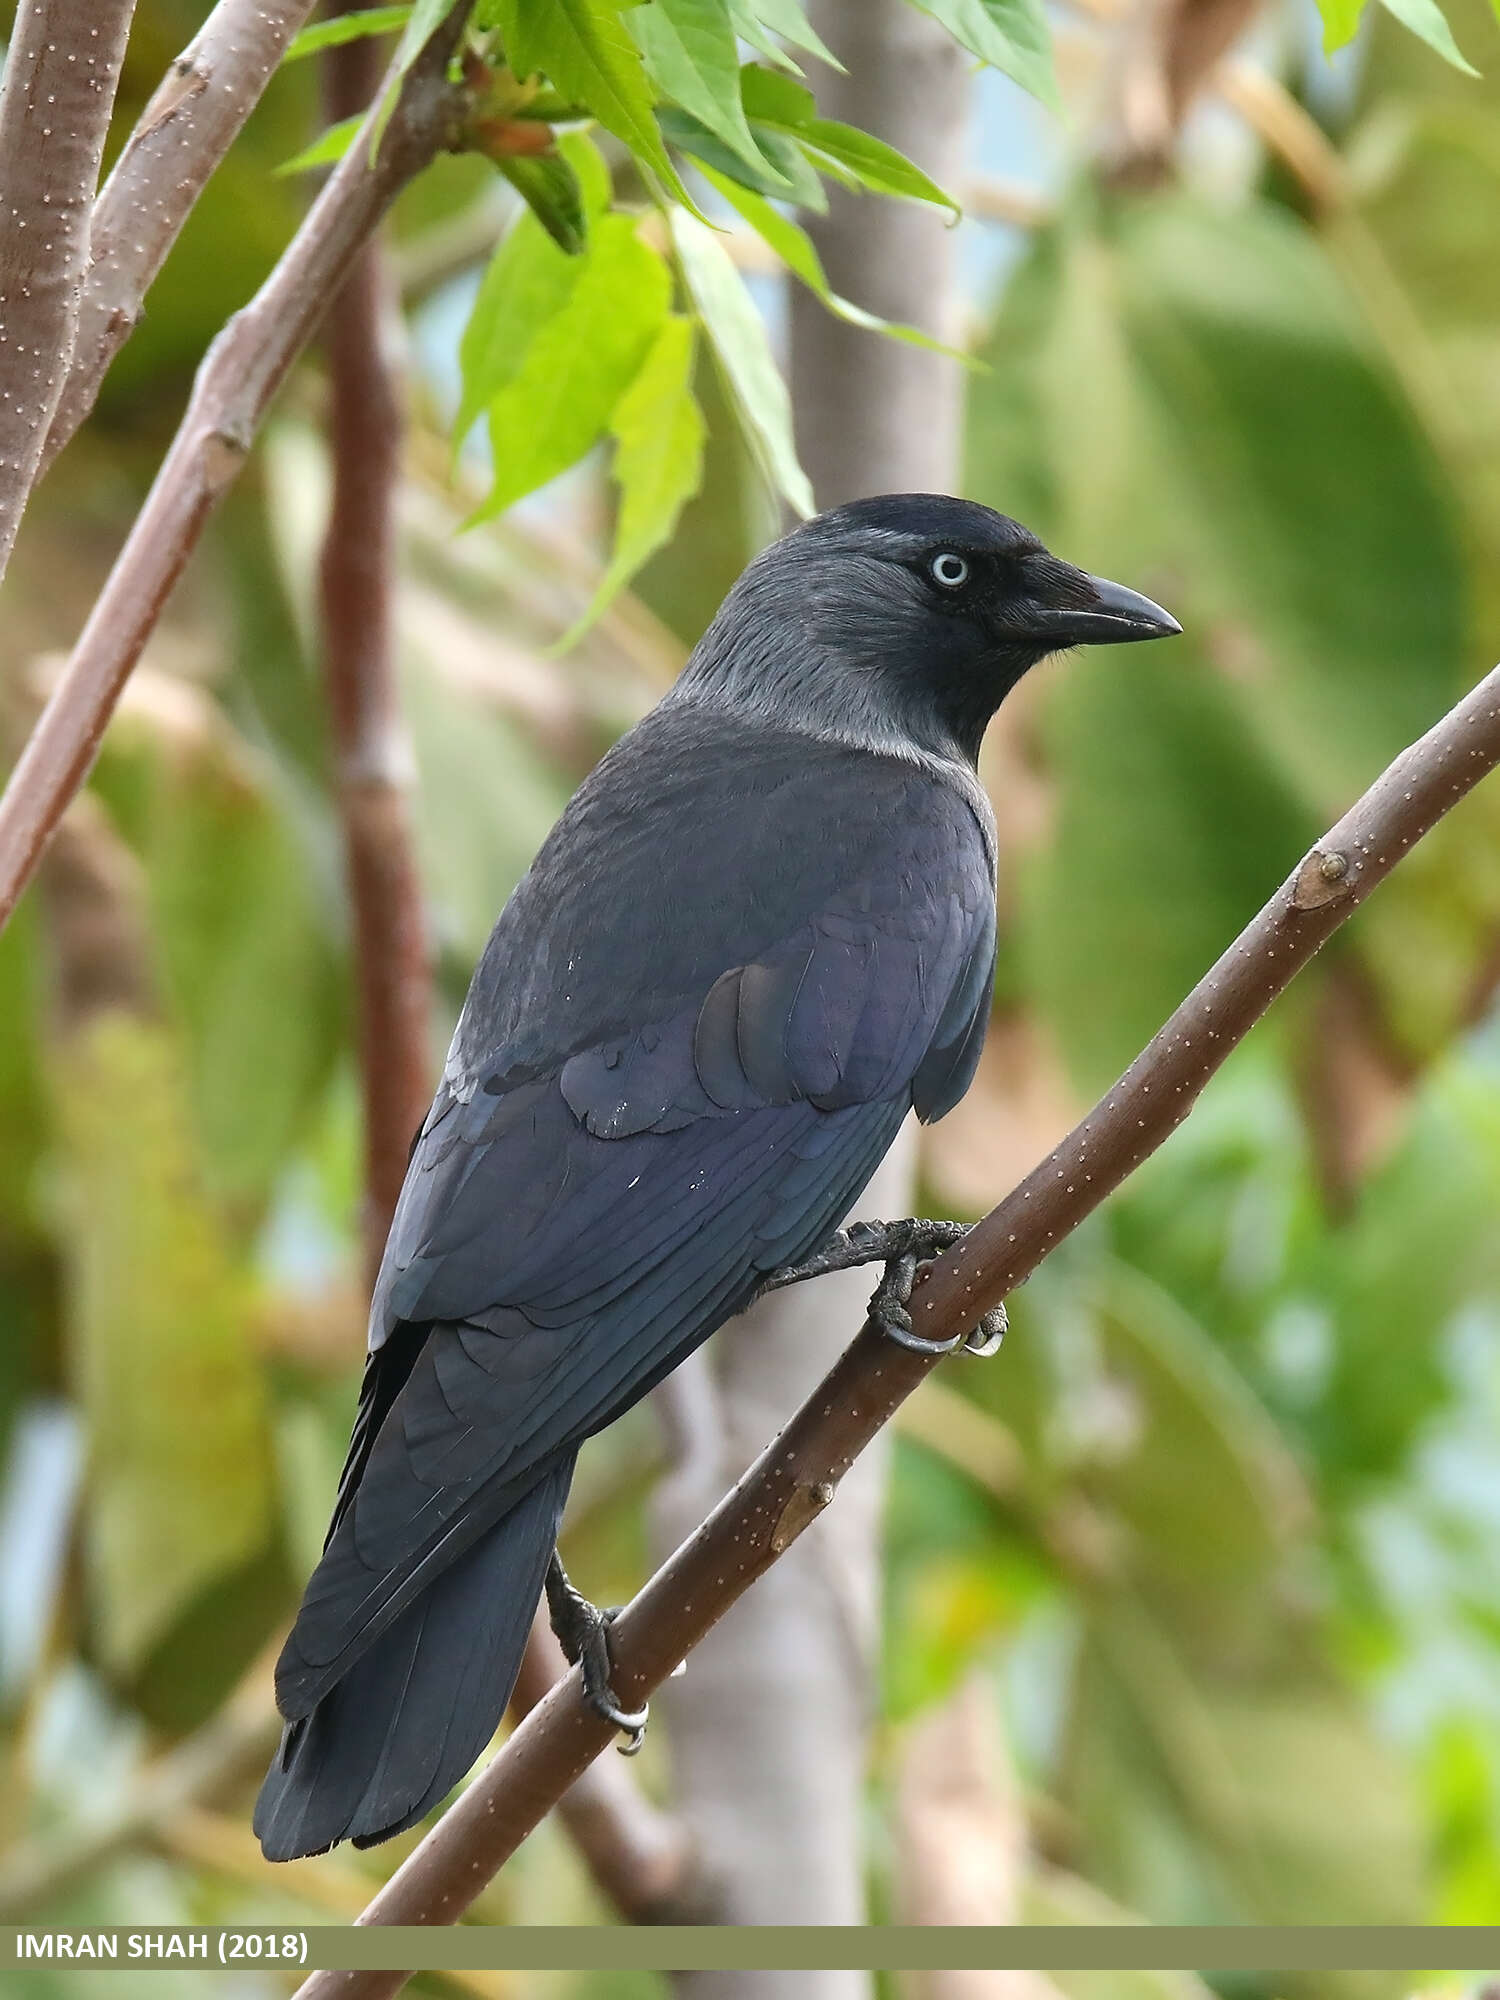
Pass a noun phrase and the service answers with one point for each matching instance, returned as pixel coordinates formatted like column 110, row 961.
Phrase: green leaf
column 871, row 162
column 690, row 135
column 794, row 247
column 527, row 282
column 238, row 912
column 585, row 50
column 856, row 157
column 785, row 18
column 1426, row 20
column 737, row 335
column 775, row 99
column 427, row 16
column 1052, row 1896
column 1187, row 399
column 1011, row 35
column 179, row 1442
column 1341, row 19
column 1275, row 412
column 346, row 28
column 592, row 169
column 792, row 163
column 749, row 29
column 1257, row 1791
column 690, row 51
column 549, row 187
column 1198, row 1426
column 1211, row 828
column 577, row 366
column 487, row 797
column 658, row 431
column 326, row 148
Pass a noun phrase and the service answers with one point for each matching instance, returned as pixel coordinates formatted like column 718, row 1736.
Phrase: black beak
column 1113, row 616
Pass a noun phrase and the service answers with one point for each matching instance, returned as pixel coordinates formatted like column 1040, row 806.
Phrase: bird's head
column 906, row 616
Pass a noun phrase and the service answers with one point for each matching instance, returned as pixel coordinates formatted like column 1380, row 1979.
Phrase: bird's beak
column 1113, row 617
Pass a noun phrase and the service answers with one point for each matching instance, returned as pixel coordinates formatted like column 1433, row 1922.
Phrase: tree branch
column 183, row 134
column 636, row 1854
column 356, row 584
column 59, row 89
column 238, row 378
column 795, row 1477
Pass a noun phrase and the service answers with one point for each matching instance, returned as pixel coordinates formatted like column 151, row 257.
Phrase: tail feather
column 412, row 1714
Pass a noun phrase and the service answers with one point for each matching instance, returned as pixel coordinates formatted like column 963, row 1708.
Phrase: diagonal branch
column 636, row 1853
column 238, row 378
column 795, row 1477
column 60, row 76
column 184, row 132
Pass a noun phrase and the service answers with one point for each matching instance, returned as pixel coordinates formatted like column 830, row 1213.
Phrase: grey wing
column 563, row 1240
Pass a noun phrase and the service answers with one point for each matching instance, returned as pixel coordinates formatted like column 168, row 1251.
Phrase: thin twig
column 60, row 76
column 357, row 594
column 795, row 1477
column 184, row 132
column 1287, row 129
column 240, row 374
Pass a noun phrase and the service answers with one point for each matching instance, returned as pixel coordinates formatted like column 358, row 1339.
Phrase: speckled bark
column 183, row 134
column 59, row 89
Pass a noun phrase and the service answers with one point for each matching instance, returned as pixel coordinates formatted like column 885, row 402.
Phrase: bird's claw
column 888, row 1309
column 901, row 1247
column 984, row 1340
column 582, row 1630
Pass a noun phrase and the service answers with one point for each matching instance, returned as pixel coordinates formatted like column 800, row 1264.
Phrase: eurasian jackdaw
column 762, row 932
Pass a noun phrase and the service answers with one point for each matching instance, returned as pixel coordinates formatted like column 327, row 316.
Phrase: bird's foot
column 901, row 1247
column 870, row 1243
column 888, row 1309
column 582, row 1630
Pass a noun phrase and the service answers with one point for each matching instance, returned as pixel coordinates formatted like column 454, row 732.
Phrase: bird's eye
column 948, row 569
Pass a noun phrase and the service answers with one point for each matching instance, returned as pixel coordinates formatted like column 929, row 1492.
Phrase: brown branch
column 183, row 133
column 60, row 76
column 635, row 1853
column 357, row 594
column 238, row 378
column 795, row 1477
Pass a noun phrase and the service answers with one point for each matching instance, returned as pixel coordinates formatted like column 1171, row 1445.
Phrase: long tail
column 414, row 1712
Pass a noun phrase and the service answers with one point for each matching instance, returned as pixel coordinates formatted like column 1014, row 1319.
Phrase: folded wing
column 569, row 1229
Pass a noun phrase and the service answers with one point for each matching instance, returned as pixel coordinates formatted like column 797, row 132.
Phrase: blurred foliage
column 1218, row 1528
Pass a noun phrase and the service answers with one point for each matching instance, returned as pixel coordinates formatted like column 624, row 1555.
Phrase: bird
column 761, row 933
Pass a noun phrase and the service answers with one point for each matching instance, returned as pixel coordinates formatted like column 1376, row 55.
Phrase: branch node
column 804, row 1505
column 184, row 81
column 1323, row 878
column 221, row 456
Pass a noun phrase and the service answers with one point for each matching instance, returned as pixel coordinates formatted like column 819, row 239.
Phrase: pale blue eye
column 949, row 570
